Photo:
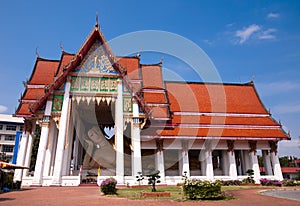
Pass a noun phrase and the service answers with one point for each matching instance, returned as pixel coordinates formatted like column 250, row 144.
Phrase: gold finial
column 97, row 22
column 36, row 52
column 61, row 46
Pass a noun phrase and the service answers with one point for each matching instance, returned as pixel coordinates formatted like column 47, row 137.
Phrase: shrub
column 197, row 189
column 139, row 177
column 230, row 182
column 108, row 186
column 291, row 182
column 153, row 177
column 268, row 182
column 250, row 178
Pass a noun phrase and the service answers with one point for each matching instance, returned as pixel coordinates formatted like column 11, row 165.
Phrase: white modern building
column 9, row 126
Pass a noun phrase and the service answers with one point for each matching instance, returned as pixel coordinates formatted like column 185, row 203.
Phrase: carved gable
column 96, row 61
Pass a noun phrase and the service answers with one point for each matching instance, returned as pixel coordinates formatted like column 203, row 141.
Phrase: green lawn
column 135, row 193
column 176, row 192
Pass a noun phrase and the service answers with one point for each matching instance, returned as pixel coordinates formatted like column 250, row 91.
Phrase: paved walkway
column 67, row 196
column 284, row 193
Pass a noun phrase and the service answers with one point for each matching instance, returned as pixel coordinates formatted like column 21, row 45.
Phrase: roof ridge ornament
column 37, row 52
column 252, row 80
column 97, row 21
column 61, row 46
column 161, row 60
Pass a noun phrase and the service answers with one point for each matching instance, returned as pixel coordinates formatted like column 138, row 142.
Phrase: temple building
column 103, row 115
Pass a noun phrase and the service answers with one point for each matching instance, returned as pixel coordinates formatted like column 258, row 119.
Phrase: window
column 21, row 127
column 1, row 126
column 11, row 127
column 7, row 148
column 10, row 137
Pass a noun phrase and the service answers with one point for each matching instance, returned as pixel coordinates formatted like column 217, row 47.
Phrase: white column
column 21, row 155
column 49, row 149
column 29, row 147
column 276, row 166
column 159, row 161
column 185, row 163
column 202, row 160
column 68, row 148
column 119, row 141
column 209, row 165
column 56, row 180
column 53, row 150
column 40, row 160
column 136, row 143
column 232, row 165
column 225, row 163
column 255, row 166
column 267, row 162
column 247, row 160
column 184, row 159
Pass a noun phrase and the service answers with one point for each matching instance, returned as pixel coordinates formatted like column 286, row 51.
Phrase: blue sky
column 244, row 39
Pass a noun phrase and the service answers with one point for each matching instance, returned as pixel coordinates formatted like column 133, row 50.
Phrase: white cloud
column 289, row 148
column 267, row 34
column 246, row 33
column 273, row 88
column 3, row 108
column 273, row 15
column 283, row 109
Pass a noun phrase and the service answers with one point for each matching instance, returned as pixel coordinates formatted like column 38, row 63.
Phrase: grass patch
column 135, row 193
column 176, row 193
column 228, row 188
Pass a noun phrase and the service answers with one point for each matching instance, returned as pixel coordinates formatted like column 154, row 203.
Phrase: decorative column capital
column 29, row 125
column 46, row 120
column 159, row 144
column 185, row 145
column 274, row 146
column 230, row 146
column 252, row 145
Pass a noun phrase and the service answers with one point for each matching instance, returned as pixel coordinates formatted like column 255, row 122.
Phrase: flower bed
column 268, row 182
column 108, row 186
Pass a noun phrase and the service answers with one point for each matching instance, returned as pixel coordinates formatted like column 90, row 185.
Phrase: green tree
column 153, row 177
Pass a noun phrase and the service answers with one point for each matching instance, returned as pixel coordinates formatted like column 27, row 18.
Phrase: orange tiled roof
column 290, row 169
column 43, row 72
column 33, row 93
column 152, row 76
column 64, row 60
column 224, row 98
column 42, row 75
column 131, row 64
column 223, row 133
column 190, row 109
column 226, row 120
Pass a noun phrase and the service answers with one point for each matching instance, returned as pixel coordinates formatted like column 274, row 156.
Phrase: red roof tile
column 290, row 169
column 223, row 132
column 152, row 76
column 229, row 120
column 131, row 64
column 225, row 98
column 33, row 94
column 64, row 60
column 43, row 72
column 151, row 97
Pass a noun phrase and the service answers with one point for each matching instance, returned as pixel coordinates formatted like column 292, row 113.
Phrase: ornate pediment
column 96, row 61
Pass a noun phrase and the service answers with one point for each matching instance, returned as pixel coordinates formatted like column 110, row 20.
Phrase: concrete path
column 292, row 194
column 73, row 196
